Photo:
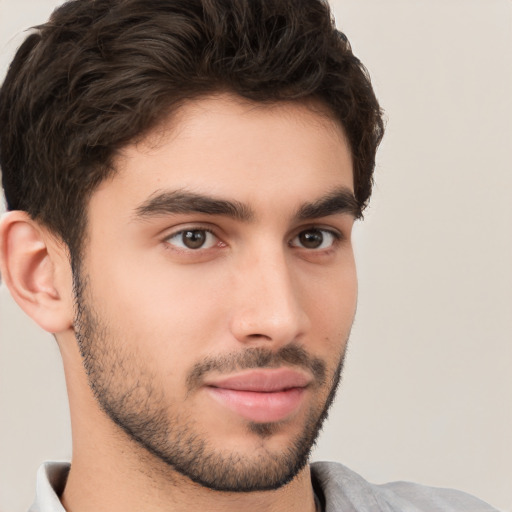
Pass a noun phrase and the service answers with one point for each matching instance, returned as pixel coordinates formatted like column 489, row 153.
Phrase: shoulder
column 345, row 490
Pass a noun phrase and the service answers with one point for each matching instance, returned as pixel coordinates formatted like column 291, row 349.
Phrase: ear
column 36, row 269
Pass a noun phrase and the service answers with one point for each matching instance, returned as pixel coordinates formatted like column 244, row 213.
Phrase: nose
column 268, row 302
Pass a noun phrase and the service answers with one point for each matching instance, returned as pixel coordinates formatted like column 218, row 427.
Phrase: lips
column 261, row 395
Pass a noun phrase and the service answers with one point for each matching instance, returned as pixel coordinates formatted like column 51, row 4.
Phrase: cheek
column 171, row 310
column 331, row 300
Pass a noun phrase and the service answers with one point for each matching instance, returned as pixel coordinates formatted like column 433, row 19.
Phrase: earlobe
column 31, row 266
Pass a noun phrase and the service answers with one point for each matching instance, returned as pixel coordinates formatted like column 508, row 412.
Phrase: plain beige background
column 427, row 390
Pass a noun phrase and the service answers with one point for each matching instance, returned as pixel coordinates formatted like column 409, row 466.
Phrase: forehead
column 229, row 147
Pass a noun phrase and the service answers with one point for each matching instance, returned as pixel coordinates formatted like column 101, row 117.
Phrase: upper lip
column 262, row 380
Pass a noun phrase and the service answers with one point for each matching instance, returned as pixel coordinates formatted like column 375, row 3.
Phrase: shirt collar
column 51, row 479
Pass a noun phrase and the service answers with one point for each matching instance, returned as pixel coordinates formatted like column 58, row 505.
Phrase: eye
column 315, row 239
column 193, row 239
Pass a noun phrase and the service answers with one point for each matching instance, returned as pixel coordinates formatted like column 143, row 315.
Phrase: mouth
column 263, row 395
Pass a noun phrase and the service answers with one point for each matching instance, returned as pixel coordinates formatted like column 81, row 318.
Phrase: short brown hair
column 101, row 73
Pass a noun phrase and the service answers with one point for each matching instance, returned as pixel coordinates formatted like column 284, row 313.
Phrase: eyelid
column 335, row 231
column 188, row 226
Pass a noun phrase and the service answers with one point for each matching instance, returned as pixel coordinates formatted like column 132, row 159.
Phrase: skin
column 159, row 309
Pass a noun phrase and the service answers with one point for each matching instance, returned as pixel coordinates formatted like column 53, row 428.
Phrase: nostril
column 258, row 337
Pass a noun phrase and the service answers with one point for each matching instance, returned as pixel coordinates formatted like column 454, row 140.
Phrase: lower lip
column 260, row 407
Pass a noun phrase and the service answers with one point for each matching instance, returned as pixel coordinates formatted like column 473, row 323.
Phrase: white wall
column 427, row 392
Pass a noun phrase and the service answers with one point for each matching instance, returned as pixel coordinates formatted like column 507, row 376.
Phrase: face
column 218, row 288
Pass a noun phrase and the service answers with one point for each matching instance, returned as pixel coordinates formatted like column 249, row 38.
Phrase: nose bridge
column 268, row 304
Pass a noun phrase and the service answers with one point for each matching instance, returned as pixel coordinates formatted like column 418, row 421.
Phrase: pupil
column 194, row 239
column 311, row 239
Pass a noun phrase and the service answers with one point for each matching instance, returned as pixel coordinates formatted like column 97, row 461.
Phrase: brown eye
column 311, row 239
column 315, row 239
column 193, row 239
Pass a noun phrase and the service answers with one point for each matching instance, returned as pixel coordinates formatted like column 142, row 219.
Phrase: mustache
column 258, row 357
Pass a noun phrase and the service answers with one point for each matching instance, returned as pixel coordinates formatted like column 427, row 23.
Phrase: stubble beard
column 126, row 392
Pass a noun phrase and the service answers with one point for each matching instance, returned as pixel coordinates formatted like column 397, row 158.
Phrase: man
column 182, row 180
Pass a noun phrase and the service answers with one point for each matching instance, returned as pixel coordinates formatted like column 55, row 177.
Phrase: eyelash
column 337, row 237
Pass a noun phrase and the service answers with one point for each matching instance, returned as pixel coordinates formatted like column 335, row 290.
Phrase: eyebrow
column 340, row 200
column 179, row 201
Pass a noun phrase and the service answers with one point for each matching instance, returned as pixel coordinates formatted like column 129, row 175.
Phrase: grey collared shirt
column 338, row 490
